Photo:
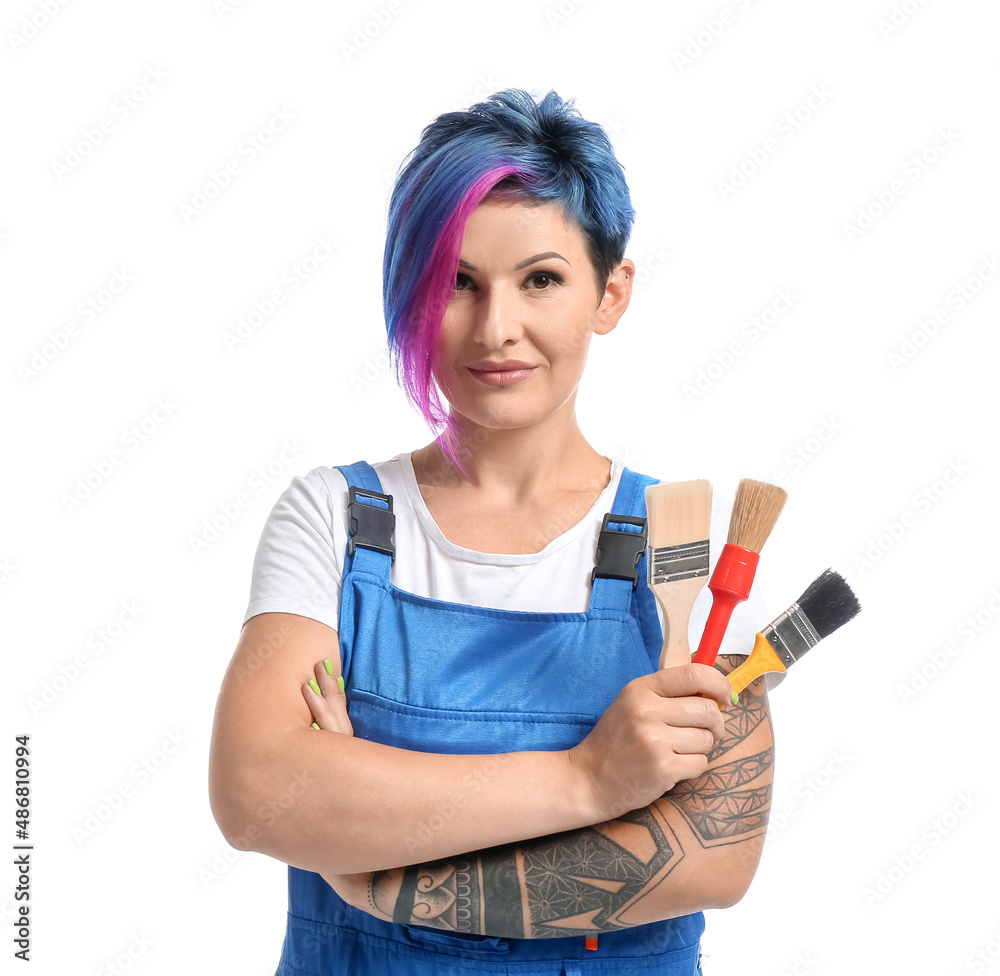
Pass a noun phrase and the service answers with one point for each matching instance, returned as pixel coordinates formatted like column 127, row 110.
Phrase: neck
column 517, row 463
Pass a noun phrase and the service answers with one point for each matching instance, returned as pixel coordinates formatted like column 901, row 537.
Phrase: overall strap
column 370, row 522
column 630, row 499
column 362, row 474
column 621, row 561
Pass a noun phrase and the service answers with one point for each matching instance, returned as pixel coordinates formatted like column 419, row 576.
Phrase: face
column 516, row 332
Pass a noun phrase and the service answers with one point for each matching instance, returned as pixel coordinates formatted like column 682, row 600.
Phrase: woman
column 502, row 781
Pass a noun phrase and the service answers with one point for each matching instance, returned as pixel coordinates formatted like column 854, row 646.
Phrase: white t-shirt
column 300, row 558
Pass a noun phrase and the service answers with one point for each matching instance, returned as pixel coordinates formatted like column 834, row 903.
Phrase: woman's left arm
column 695, row 848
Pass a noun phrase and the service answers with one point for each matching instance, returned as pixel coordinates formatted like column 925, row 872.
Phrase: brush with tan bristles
column 679, row 515
column 755, row 510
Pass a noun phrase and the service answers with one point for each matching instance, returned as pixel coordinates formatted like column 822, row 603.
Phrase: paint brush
column 755, row 510
column 826, row 605
column 679, row 515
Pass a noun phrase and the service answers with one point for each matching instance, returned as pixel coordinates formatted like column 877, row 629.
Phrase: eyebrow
column 523, row 264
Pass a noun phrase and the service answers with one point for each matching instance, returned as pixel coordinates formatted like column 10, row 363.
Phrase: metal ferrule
column 678, row 562
column 791, row 635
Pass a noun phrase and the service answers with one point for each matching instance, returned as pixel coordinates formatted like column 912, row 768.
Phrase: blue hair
column 509, row 144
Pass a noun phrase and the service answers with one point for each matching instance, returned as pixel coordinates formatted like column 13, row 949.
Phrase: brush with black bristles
column 755, row 510
column 826, row 605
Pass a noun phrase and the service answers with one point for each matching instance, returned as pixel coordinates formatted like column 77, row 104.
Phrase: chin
column 494, row 422
column 502, row 408
column 498, row 420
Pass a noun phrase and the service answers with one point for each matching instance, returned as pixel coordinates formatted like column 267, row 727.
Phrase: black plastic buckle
column 370, row 526
column 619, row 551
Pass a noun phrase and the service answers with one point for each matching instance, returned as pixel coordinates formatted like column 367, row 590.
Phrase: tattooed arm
column 697, row 847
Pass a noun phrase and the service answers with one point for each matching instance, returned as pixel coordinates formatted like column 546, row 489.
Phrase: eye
column 462, row 282
column 543, row 279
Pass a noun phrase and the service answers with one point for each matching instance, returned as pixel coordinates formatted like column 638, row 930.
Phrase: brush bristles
column 755, row 511
column 829, row 603
column 679, row 512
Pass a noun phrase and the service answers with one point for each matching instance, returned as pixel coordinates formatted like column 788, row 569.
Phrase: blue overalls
column 445, row 677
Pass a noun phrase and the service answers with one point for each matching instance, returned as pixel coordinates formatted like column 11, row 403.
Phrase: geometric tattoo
column 721, row 805
column 576, row 883
column 718, row 811
column 586, row 881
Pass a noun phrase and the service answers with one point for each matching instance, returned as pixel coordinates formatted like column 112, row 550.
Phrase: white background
column 886, row 795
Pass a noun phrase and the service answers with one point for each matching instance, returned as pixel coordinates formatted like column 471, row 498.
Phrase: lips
column 501, row 374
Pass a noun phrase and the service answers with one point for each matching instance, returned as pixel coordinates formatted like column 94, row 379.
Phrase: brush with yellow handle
column 827, row 604
column 679, row 514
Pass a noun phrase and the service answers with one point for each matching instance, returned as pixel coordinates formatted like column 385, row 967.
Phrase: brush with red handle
column 755, row 510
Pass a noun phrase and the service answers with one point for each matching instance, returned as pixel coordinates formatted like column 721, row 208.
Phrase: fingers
column 688, row 696
column 689, row 680
column 699, row 715
column 688, row 767
column 324, row 694
column 693, row 742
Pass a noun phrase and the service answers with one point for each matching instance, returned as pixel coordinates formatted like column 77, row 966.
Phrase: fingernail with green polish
column 316, row 727
column 315, row 687
column 328, row 666
column 340, row 683
column 736, row 698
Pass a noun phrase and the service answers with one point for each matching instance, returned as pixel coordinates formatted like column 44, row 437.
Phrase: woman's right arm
column 336, row 804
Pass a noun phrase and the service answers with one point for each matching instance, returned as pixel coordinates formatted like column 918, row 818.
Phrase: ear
column 617, row 294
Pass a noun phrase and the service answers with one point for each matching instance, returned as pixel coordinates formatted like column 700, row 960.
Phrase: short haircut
column 510, row 145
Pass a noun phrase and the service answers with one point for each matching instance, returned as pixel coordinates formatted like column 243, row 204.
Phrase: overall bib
column 444, row 677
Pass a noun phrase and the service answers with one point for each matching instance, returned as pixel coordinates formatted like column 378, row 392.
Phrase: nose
column 497, row 317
